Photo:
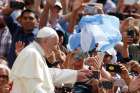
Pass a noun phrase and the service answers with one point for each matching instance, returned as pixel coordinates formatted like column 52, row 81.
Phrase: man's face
column 56, row 10
column 75, row 63
column 107, row 59
column 78, row 64
column 3, row 76
column 61, row 40
column 28, row 21
column 50, row 45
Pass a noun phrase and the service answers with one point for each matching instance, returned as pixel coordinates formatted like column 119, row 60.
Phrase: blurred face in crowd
column 50, row 44
column 29, row 4
column 4, row 81
column 107, row 58
column 74, row 62
column 133, row 36
column 56, row 10
column 2, row 23
column 61, row 40
column 78, row 64
column 131, row 31
column 28, row 21
column 3, row 76
column 61, row 37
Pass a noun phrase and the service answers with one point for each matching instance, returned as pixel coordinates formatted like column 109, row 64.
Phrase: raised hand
column 19, row 46
column 124, row 71
column 83, row 75
column 125, row 74
column 94, row 62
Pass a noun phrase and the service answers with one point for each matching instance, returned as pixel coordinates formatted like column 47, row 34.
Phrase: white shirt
column 30, row 73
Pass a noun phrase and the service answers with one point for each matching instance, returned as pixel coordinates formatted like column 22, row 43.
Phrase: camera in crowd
column 131, row 33
column 113, row 68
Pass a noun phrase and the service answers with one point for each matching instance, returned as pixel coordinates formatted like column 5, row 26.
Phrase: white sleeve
column 28, row 71
column 65, row 76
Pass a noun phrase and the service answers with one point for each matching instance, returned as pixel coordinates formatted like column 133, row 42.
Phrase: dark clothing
column 5, row 41
column 17, row 35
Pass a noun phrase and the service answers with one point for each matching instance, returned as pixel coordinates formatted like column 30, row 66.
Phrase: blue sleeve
column 11, row 24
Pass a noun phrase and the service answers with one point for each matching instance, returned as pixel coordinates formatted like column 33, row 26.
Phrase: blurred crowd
column 34, row 52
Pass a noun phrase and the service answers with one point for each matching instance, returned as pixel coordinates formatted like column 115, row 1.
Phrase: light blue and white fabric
column 101, row 29
column 74, row 41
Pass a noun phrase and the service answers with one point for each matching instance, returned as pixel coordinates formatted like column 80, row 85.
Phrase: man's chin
column 130, row 43
column 28, row 30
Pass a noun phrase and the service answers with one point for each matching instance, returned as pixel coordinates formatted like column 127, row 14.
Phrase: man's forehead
column 29, row 14
column 3, row 71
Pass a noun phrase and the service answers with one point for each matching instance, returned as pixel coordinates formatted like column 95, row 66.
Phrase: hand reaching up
column 83, row 75
column 19, row 46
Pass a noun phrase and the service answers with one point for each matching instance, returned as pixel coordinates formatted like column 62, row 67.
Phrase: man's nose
column 27, row 19
column 1, row 79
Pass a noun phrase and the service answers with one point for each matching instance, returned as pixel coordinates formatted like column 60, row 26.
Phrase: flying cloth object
column 101, row 29
column 74, row 41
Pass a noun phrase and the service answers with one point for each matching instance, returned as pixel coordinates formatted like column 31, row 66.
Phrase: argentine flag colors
column 101, row 29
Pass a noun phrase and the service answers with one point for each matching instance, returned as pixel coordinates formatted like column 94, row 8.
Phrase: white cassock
column 30, row 73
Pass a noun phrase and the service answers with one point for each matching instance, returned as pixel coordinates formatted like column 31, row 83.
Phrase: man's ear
column 37, row 23
column 19, row 19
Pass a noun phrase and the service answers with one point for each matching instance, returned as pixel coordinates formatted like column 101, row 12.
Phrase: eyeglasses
column 4, row 77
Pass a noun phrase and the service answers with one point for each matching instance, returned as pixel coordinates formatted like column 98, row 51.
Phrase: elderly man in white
column 30, row 73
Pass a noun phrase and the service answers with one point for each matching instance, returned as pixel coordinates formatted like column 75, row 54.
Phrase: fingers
column 124, row 70
column 122, row 67
column 94, row 61
column 97, row 61
column 83, row 75
column 19, row 46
